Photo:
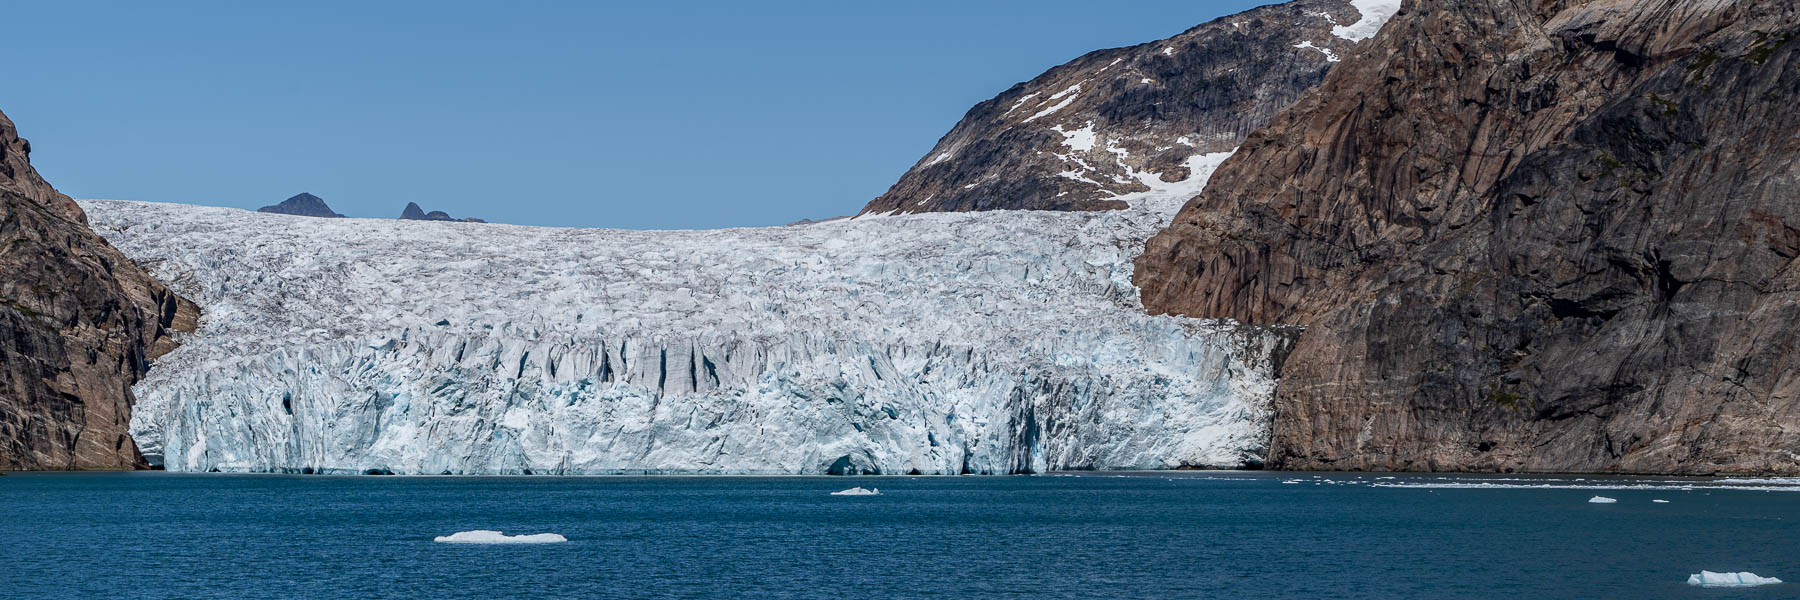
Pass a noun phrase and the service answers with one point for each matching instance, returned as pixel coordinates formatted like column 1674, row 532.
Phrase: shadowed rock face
column 1087, row 131
column 79, row 324
column 1524, row 235
column 303, row 204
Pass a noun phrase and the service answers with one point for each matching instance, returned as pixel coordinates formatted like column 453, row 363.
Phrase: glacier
column 943, row 343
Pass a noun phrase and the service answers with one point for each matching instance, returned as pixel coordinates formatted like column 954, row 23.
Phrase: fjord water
column 1155, row 535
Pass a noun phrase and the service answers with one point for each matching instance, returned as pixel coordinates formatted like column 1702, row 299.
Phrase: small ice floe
column 484, row 536
column 858, row 491
column 1746, row 578
column 1601, row 500
column 1762, row 481
column 1660, row 501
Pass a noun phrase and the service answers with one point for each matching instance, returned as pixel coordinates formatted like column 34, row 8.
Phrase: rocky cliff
column 303, row 204
column 1523, row 235
column 79, row 324
column 1119, row 121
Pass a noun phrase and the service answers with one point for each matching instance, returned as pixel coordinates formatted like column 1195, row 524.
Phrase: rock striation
column 303, row 204
column 1523, row 235
column 1124, row 120
column 79, row 324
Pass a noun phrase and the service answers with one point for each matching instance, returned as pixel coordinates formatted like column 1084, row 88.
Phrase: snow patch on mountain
column 1072, row 93
column 1375, row 13
column 996, row 342
column 1329, row 55
column 1079, row 140
column 1166, row 197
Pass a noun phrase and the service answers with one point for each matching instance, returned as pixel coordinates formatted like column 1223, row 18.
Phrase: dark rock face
column 1087, row 131
column 1524, row 235
column 303, row 204
column 413, row 212
column 79, row 323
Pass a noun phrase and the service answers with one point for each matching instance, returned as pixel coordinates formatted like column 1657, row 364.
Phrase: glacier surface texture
column 1000, row 342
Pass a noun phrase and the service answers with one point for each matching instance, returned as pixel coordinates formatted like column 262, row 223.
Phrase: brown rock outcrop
column 1092, row 129
column 79, row 324
column 1524, row 235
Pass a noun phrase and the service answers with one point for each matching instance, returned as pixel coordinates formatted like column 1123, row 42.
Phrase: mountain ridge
column 1122, row 120
column 303, row 204
column 413, row 212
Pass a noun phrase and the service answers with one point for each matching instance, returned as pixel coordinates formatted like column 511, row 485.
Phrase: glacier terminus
column 997, row 342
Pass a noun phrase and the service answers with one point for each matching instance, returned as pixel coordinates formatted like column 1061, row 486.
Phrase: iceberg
column 944, row 343
column 487, row 536
column 858, row 491
column 1746, row 578
column 1601, row 500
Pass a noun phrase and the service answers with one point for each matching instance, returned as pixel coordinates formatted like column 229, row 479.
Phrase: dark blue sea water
column 1180, row 535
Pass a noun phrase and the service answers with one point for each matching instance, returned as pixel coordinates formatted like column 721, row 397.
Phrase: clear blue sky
column 595, row 114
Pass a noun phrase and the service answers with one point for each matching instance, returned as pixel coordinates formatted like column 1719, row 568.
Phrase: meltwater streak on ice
column 991, row 342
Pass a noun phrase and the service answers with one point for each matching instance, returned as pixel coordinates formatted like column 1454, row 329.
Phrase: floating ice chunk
column 1601, row 500
column 858, row 491
column 1746, row 578
column 1767, row 481
column 1660, row 501
column 485, row 536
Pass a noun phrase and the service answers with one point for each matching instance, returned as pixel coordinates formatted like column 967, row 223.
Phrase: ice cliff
column 998, row 342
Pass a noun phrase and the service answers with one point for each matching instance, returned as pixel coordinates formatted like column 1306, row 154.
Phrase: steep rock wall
column 79, row 324
column 1523, row 235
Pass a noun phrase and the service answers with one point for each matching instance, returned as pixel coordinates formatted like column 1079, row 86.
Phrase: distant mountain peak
column 414, row 213
column 303, row 204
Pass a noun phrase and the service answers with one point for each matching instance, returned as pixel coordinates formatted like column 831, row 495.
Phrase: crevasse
column 998, row 342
